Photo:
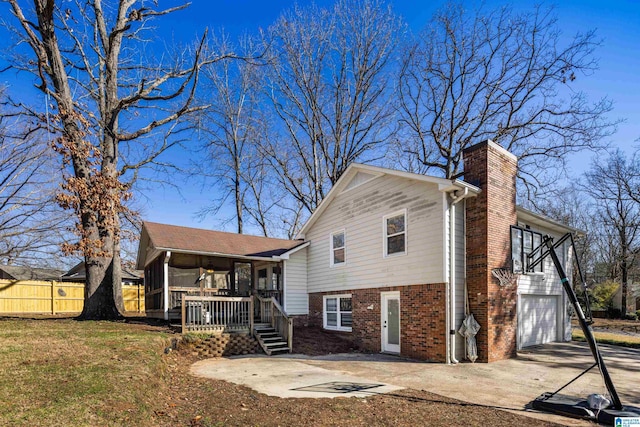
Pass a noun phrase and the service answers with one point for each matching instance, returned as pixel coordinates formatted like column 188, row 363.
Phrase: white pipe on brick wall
column 452, row 275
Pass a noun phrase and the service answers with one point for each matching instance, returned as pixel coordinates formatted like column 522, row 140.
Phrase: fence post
column 139, row 310
column 184, row 318
column 53, row 298
column 251, row 316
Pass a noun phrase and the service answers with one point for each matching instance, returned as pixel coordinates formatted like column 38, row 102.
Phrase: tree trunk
column 625, row 277
column 103, row 278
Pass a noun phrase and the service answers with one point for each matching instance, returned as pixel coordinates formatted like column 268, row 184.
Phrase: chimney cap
column 490, row 143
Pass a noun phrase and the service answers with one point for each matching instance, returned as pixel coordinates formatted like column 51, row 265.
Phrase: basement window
column 337, row 312
column 523, row 242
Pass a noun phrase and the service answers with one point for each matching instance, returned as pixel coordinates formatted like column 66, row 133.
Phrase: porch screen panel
column 184, row 277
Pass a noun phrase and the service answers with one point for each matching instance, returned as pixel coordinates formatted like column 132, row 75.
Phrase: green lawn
column 610, row 338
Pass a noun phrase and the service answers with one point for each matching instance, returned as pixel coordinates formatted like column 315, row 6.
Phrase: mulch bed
column 316, row 342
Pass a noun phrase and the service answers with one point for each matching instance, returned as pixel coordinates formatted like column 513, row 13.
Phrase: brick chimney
column 489, row 217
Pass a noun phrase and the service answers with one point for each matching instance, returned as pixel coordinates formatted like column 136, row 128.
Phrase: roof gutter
column 222, row 255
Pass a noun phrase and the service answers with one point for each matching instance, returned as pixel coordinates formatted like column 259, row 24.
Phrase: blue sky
column 617, row 23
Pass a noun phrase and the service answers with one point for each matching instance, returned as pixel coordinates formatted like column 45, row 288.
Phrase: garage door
column 538, row 319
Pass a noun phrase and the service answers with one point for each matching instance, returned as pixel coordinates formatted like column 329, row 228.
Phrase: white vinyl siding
column 359, row 212
column 460, row 277
column 296, row 299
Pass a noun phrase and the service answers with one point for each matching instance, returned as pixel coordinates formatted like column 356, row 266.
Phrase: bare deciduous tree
column 607, row 182
column 471, row 76
column 329, row 84
column 233, row 125
column 31, row 223
column 109, row 94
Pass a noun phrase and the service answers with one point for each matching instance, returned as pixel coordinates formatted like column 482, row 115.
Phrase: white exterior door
column 538, row 319
column 390, row 317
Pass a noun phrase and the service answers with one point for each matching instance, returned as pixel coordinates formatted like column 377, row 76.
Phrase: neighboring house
column 394, row 259
column 78, row 274
column 19, row 272
column 633, row 300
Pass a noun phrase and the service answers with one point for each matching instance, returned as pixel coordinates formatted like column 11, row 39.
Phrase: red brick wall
column 422, row 319
column 489, row 217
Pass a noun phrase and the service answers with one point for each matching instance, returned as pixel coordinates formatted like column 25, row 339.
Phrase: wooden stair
column 269, row 339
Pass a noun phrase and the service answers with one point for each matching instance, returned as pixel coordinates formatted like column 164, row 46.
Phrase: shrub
column 637, row 314
column 614, row 313
column 602, row 296
column 631, row 316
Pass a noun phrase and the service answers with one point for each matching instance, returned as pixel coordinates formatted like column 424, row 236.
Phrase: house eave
column 218, row 254
column 546, row 222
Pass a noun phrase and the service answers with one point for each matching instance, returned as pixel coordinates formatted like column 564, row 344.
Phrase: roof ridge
column 220, row 231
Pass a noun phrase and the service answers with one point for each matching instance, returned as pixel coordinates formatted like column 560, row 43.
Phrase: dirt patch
column 315, row 342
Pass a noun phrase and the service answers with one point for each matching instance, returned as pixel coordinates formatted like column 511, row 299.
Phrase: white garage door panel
column 539, row 322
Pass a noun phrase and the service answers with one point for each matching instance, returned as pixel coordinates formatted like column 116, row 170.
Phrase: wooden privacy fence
column 43, row 297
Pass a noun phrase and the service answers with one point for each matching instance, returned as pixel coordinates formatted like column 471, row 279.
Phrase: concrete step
column 278, row 351
column 271, row 345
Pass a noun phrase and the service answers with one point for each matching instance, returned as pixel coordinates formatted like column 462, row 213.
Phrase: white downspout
column 165, row 291
column 452, row 274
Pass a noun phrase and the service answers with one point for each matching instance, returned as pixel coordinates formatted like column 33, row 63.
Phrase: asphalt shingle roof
column 173, row 237
column 20, row 272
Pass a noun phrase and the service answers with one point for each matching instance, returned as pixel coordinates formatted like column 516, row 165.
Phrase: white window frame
column 339, row 316
column 385, row 237
column 332, row 262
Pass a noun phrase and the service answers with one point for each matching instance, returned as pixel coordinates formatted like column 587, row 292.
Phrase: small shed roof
column 22, row 272
column 78, row 273
column 163, row 237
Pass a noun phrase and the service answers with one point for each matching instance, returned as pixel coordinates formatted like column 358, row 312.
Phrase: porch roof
column 163, row 237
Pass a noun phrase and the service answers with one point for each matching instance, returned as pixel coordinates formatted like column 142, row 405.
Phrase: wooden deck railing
column 209, row 314
column 282, row 323
column 176, row 292
column 264, row 309
column 270, row 311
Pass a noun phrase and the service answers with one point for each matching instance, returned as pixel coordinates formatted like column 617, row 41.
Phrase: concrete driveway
column 508, row 384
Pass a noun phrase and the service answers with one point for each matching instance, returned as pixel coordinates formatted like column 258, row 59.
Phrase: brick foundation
column 422, row 319
column 489, row 217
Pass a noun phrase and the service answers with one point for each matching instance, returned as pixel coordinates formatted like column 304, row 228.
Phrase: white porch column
column 166, row 285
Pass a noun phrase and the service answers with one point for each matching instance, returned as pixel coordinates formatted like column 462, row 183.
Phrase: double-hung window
column 337, row 312
column 338, row 249
column 395, row 233
column 523, row 242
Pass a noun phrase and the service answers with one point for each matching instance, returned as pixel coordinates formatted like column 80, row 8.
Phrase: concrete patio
column 508, row 384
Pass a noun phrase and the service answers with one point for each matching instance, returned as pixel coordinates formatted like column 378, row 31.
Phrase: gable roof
column 21, row 272
column 156, row 238
column 444, row 185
